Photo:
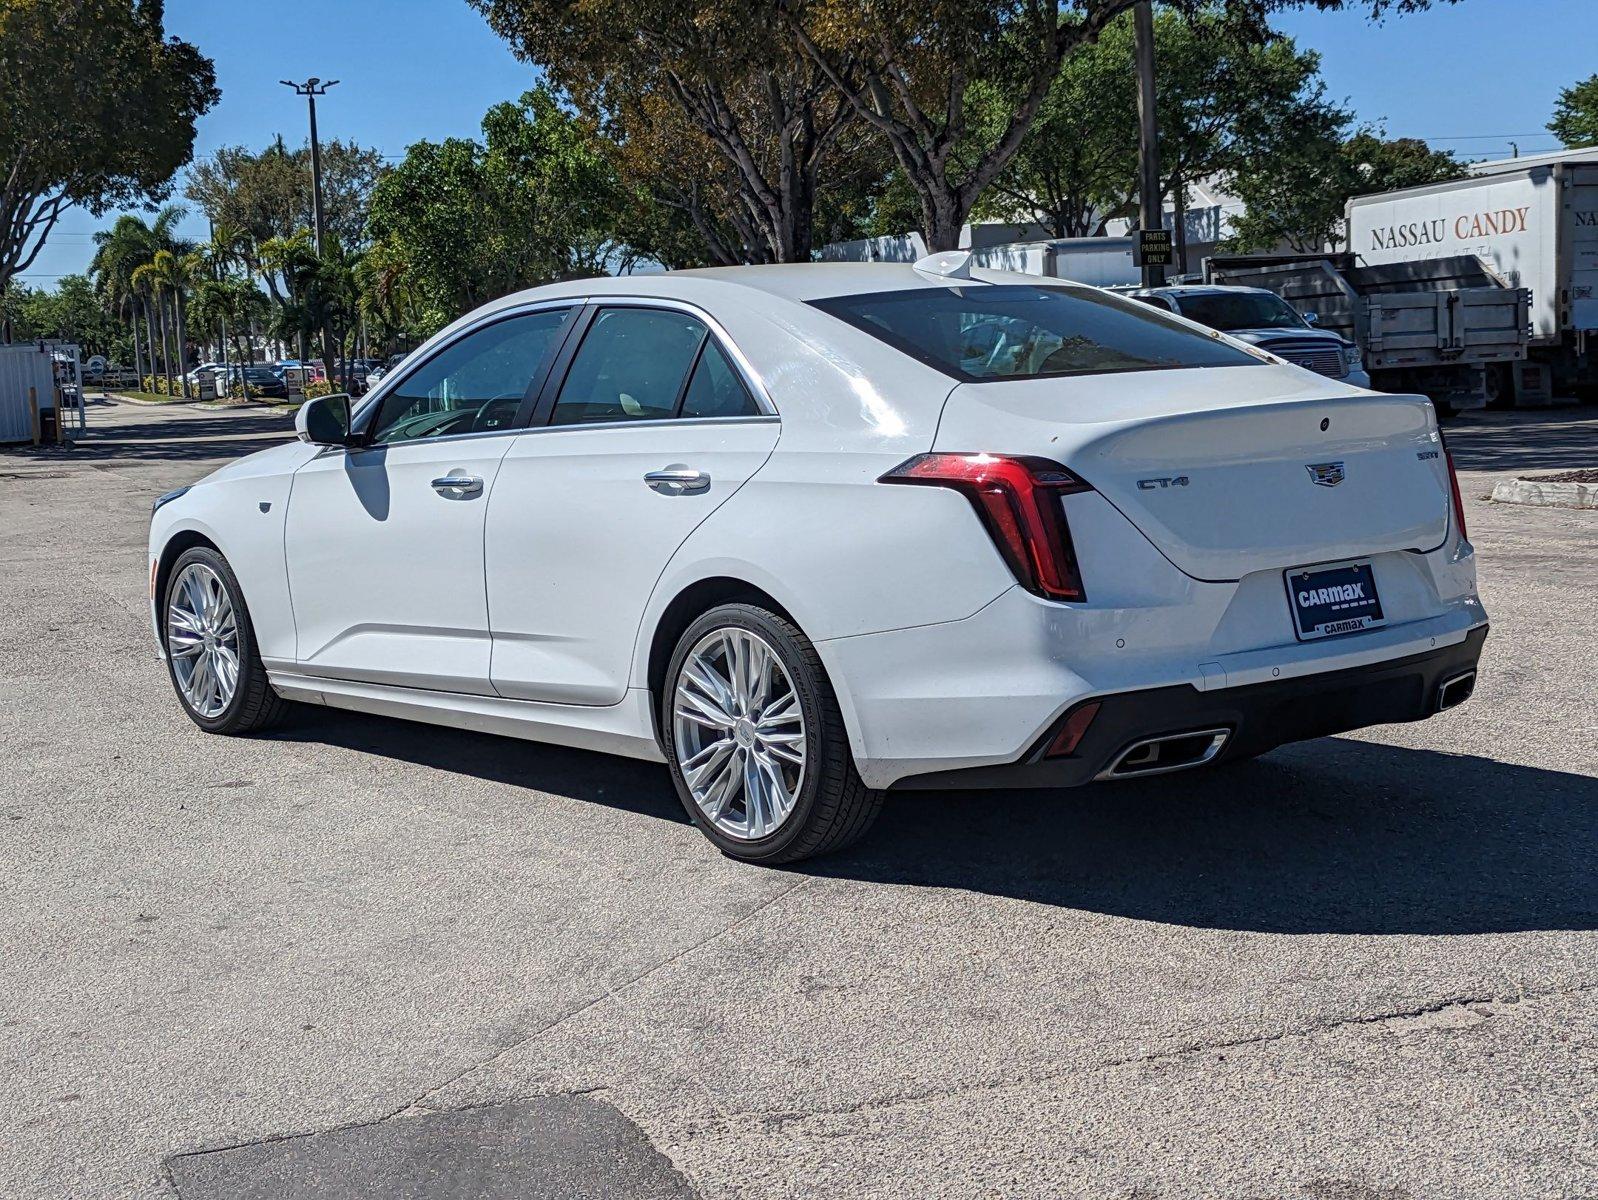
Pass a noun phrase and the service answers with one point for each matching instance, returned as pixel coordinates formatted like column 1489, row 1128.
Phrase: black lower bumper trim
column 1260, row 716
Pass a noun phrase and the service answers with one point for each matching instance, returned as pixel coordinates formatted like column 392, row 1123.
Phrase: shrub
column 319, row 387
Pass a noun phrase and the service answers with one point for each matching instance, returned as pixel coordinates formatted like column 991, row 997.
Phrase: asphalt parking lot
column 366, row 958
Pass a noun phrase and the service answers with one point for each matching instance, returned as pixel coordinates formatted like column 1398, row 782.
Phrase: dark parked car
column 261, row 381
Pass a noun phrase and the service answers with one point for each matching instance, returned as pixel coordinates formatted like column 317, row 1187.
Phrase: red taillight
column 1072, row 730
column 1018, row 500
column 1453, row 486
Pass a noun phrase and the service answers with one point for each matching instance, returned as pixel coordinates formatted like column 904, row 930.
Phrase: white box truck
column 1534, row 220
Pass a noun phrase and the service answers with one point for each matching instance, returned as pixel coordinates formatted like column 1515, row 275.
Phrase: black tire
column 833, row 807
column 254, row 706
column 1499, row 386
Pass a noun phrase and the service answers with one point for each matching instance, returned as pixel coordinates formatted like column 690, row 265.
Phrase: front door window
column 475, row 385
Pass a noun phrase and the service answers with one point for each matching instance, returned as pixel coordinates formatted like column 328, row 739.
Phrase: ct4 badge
column 1325, row 474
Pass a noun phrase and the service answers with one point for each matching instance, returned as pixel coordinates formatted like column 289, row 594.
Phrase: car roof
column 799, row 282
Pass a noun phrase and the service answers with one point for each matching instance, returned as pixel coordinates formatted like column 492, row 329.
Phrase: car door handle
column 678, row 481
column 466, row 485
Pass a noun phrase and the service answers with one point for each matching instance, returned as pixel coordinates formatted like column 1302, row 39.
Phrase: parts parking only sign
column 1153, row 248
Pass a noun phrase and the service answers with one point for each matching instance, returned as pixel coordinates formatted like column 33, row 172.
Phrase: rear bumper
column 1257, row 717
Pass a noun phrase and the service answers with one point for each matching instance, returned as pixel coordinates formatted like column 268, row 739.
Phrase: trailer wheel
column 1499, row 385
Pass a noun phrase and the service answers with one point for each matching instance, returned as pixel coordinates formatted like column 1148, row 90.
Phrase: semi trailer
column 1535, row 221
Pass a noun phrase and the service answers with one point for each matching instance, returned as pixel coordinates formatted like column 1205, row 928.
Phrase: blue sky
column 1471, row 76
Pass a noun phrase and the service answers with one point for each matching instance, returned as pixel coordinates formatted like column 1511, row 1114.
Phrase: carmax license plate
column 1330, row 600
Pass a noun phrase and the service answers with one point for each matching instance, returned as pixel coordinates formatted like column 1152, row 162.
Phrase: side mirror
column 324, row 421
column 1311, row 318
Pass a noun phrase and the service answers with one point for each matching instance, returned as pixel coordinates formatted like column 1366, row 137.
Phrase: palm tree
column 174, row 275
column 230, row 304
column 293, row 260
column 147, row 278
column 119, row 252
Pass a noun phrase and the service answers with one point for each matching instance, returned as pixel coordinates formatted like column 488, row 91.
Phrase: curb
column 1546, row 495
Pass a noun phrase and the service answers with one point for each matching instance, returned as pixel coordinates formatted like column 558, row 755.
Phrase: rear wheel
column 1499, row 386
column 756, row 742
column 211, row 655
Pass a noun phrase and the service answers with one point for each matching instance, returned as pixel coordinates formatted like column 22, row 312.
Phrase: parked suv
column 1266, row 320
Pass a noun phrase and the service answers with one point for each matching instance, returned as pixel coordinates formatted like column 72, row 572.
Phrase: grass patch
column 147, row 397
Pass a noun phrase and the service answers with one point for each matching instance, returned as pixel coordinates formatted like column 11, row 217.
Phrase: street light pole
column 311, row 89
column 1148, row 135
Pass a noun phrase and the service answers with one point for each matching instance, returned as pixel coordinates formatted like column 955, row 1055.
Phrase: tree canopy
column 99, row 109
column 724, row 70
column 1575, row 121
column 1299, row 197
column 466, row 221
column 71, row 312
column 1228, row 101
column 268, row 194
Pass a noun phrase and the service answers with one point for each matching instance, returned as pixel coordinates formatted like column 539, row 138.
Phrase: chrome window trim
column 646, row 422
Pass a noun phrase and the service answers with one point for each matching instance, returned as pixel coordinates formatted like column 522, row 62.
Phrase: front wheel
column 756, row 742
column 211, row 655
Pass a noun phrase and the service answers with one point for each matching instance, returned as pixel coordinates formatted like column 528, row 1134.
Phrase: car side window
column 474, row 385
column 716, row 390
column 630, row 367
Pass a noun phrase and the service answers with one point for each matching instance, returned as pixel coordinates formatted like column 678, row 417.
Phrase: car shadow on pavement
column 1332, row 836
column 623, row 783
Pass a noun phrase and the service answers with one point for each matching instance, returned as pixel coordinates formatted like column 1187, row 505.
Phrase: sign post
column 1149, row 215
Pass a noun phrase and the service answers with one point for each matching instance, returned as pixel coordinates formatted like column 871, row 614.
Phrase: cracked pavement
column 1362, row 968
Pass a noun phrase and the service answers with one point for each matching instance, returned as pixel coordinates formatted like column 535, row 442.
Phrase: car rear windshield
column 1239, row 310
column 1017, row 331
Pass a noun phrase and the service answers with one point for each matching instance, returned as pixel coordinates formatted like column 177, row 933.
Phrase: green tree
column 470, row 221
column 286, row 265
column 1298, row 197
column 909, row 70
column 98, row 110
column 71, row 312
column 1575, row 120
column 119, row 252
column 390, row 302
column 268, row 194
column 723, row 69
column 170, row 277
column 226, row 309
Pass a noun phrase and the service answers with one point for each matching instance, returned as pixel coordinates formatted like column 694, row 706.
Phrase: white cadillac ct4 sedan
column 810, row 533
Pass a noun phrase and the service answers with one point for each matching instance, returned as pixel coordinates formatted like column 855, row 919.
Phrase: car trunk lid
column 1228, row 470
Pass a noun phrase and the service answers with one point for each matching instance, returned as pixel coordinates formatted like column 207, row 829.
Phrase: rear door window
column 716, row 390
column 1018, row 331
column 631, row 366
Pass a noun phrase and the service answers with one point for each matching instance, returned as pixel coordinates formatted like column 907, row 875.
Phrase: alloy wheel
column 202, row 640
column 739, row 733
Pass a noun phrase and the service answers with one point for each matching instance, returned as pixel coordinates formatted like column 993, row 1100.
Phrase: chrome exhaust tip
column 1455, row 691
column 1168, row 752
